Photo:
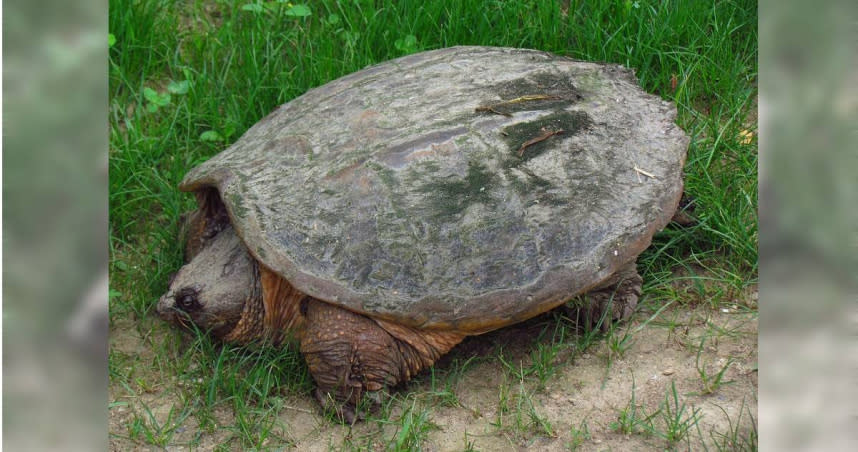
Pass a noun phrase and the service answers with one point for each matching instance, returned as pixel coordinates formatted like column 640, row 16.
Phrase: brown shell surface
column 462, row 189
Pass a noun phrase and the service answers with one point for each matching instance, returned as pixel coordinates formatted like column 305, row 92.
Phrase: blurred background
column 55, row 224
column 808, row 199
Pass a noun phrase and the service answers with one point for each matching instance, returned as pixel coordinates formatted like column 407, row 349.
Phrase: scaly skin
column 351, row 355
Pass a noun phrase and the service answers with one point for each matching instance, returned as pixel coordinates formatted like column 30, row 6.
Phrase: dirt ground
column 580, row 406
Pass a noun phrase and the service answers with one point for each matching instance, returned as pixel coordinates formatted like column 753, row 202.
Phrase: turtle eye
column 186, row 300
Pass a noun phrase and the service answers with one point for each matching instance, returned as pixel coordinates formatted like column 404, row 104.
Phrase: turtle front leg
column 613, row 300
column 351, row 355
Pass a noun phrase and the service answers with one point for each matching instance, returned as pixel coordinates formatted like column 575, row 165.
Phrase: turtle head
column 212, row 291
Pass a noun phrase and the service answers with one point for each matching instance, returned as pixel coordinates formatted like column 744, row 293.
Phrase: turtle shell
column 464, row 189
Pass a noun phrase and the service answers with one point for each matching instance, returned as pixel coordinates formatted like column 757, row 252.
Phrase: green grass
column 517, row 415
column 672, row 421
column 632, row 419
column 411, row 428
column 710, row 382
column 578, row 434
column 678, row 418
column 188, row 78
column 737, row 437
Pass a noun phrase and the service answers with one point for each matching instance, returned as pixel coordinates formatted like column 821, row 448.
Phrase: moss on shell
column 451, row 195
column 570, row 122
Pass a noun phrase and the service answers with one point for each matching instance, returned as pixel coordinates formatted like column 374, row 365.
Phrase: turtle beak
column 167, row 301
column 166, row 307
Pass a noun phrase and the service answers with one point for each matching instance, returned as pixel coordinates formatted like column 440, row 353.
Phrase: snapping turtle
column 381, row 218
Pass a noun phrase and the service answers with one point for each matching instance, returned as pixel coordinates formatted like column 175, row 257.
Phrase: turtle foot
column 615, row 300
column 354, row 358
column 684, row 215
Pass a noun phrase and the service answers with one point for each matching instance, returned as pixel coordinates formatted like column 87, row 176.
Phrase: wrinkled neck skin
column 250, row 325
column 224, row 291
column 282, row 320
column 272, row 314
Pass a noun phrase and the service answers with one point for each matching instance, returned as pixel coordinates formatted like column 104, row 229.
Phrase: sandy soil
column 585, row 389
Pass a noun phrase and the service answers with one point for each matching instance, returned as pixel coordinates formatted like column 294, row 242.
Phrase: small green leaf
column 298, row 11
column 408, row 44
column 155, row 99
column 179, row 87
column 252, row 7
column 113, row 293
column 151, row 108
column 150, row 94
column 333, row 19
column 210, row 135
column 111, row 40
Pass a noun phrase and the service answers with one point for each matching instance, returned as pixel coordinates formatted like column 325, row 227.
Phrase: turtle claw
column 345, row 412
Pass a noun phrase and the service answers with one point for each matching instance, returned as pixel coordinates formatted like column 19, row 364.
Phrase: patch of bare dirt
column 581, row 401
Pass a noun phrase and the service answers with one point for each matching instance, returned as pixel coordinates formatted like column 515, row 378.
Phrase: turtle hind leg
column 352, row 356
column 611, row 301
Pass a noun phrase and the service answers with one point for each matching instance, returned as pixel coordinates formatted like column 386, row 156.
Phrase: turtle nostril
column 165, row 305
